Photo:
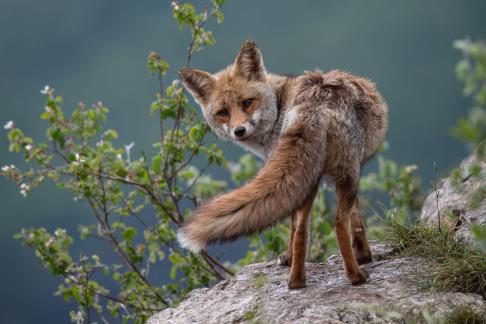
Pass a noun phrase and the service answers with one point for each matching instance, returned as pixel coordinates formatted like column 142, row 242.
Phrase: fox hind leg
column 299, row 244
column 361, row 248
column 285, row 259
column 346, row 189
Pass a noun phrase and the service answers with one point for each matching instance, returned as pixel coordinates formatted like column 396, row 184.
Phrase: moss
column 466, row 315
column 259, row 280
column 454, row 265
column 251, row 315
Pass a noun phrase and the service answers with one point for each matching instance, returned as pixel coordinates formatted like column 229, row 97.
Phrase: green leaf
column 129, row 233
column 157, row 163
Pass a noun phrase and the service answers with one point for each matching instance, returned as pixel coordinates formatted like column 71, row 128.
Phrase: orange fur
column 314, row 125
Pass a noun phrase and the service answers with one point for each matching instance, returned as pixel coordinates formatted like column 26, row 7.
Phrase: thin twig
column 71, row 278
column 197, row 178
column 190, row 49
column 87, row 308
column 437, row 192
column 216, row 262
column 161, row 119
column 134, row 214
column 123, row 256
column 189, row 159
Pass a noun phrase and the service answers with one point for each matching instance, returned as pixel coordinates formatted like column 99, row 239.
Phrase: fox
column 305, row 128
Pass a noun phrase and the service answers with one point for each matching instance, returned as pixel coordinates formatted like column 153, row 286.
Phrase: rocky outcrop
column 259, row 293
column 462, row 197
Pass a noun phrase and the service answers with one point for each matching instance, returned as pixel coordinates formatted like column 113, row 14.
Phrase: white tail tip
column 189, row 243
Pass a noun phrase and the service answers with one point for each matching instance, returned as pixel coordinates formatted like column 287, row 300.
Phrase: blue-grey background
column 96, row 50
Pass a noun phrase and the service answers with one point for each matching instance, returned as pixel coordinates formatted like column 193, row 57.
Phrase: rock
column 259, row 293
column 461, row 198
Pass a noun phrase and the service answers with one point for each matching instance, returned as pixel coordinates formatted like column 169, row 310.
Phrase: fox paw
column 285, row 259
column 296, row 284
column 364, row 258
column 359, row 277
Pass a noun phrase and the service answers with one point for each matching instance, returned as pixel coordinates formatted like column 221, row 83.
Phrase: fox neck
column 263, row 144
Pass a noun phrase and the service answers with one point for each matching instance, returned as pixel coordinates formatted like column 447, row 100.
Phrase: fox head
column 238, row 103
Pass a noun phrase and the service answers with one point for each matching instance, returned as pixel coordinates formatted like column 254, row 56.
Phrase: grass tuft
column 466, row 315
column 259, row 280
column 456, row 265
column 251, row 315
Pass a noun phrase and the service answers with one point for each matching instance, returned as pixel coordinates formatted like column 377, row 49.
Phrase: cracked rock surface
column 259, row 293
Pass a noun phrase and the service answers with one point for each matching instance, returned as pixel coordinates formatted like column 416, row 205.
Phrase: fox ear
column 199, row 83
column 249, row 62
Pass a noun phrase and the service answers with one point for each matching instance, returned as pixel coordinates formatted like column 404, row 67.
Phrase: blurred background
column 96, row 50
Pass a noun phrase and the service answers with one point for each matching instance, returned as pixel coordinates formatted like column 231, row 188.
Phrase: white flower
column 411, row 168
column 49, row 242
column 5, row 168
column 175, row 5
column 98, row 104
column 100, row 143
column 79, row 158
column 119, row 156
column 78, row 318
column 24, row 186
column 128, row 149
column 59, row 232
column 8, row 125
column 46, row 90
column 47, row 108
column 28, row 147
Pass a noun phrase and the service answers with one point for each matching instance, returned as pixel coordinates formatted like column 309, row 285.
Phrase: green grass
column 251, row 315
column 466, row 315
column 455, row 265
column 475, row 199
column 259, row 280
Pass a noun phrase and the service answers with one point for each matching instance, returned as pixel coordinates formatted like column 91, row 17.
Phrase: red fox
column 305, row 127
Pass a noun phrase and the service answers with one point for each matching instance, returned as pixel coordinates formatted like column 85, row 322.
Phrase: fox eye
column 223, row 113
column 247, row 103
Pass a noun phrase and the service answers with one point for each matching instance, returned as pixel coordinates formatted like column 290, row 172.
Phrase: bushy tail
column 281, row 186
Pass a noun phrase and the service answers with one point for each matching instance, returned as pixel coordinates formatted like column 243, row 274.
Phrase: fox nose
column 240, row 131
